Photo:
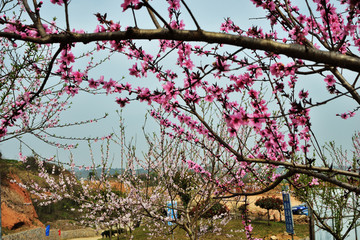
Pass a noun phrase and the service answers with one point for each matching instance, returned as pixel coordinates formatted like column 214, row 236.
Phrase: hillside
column 19, row 211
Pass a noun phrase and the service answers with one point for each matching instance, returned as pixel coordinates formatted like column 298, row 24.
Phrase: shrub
column 57, row 210
column 215, row 210
column 270, row 203
column 32, row 164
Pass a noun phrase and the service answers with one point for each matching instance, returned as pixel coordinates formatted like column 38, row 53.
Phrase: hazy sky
column 210, row 14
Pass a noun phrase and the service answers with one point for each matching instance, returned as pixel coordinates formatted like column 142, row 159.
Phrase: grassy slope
column 18, row 168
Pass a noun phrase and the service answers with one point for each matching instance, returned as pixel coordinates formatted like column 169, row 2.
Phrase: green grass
column 234, row 228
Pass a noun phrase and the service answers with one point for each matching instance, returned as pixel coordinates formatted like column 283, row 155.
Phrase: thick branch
column 36, row 19
column 350, row 187
column 292, row 171
column 268, row 188
column 290, row 50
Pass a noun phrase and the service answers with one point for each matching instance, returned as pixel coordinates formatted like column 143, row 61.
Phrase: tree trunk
column 191, row 236
column 280, row 215
column 268, row 213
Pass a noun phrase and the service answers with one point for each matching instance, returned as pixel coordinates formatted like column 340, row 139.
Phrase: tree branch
column 67, row 16
column 350, row 187
column 290, row 50
column 36, row 19
column 152, row 16
column 192, row 15
column 346, row 85
column 149, row 7
column 288, row 165
column 268, row 188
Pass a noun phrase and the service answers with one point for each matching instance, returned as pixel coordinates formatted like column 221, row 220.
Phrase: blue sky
column 210, row 15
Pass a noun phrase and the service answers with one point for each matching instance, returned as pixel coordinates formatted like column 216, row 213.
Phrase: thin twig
column 356, row 79
column 152, row 16
column 157, row 14
column 355, row 95
column 133, row 13
column 192, row 16
column 67, row 17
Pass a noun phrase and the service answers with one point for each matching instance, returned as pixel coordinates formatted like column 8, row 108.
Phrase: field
column 233, row 230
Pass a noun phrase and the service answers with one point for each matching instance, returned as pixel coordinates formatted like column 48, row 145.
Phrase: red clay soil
column 17, row 210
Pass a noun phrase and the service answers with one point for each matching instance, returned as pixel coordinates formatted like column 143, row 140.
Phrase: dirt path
column 87, row 238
